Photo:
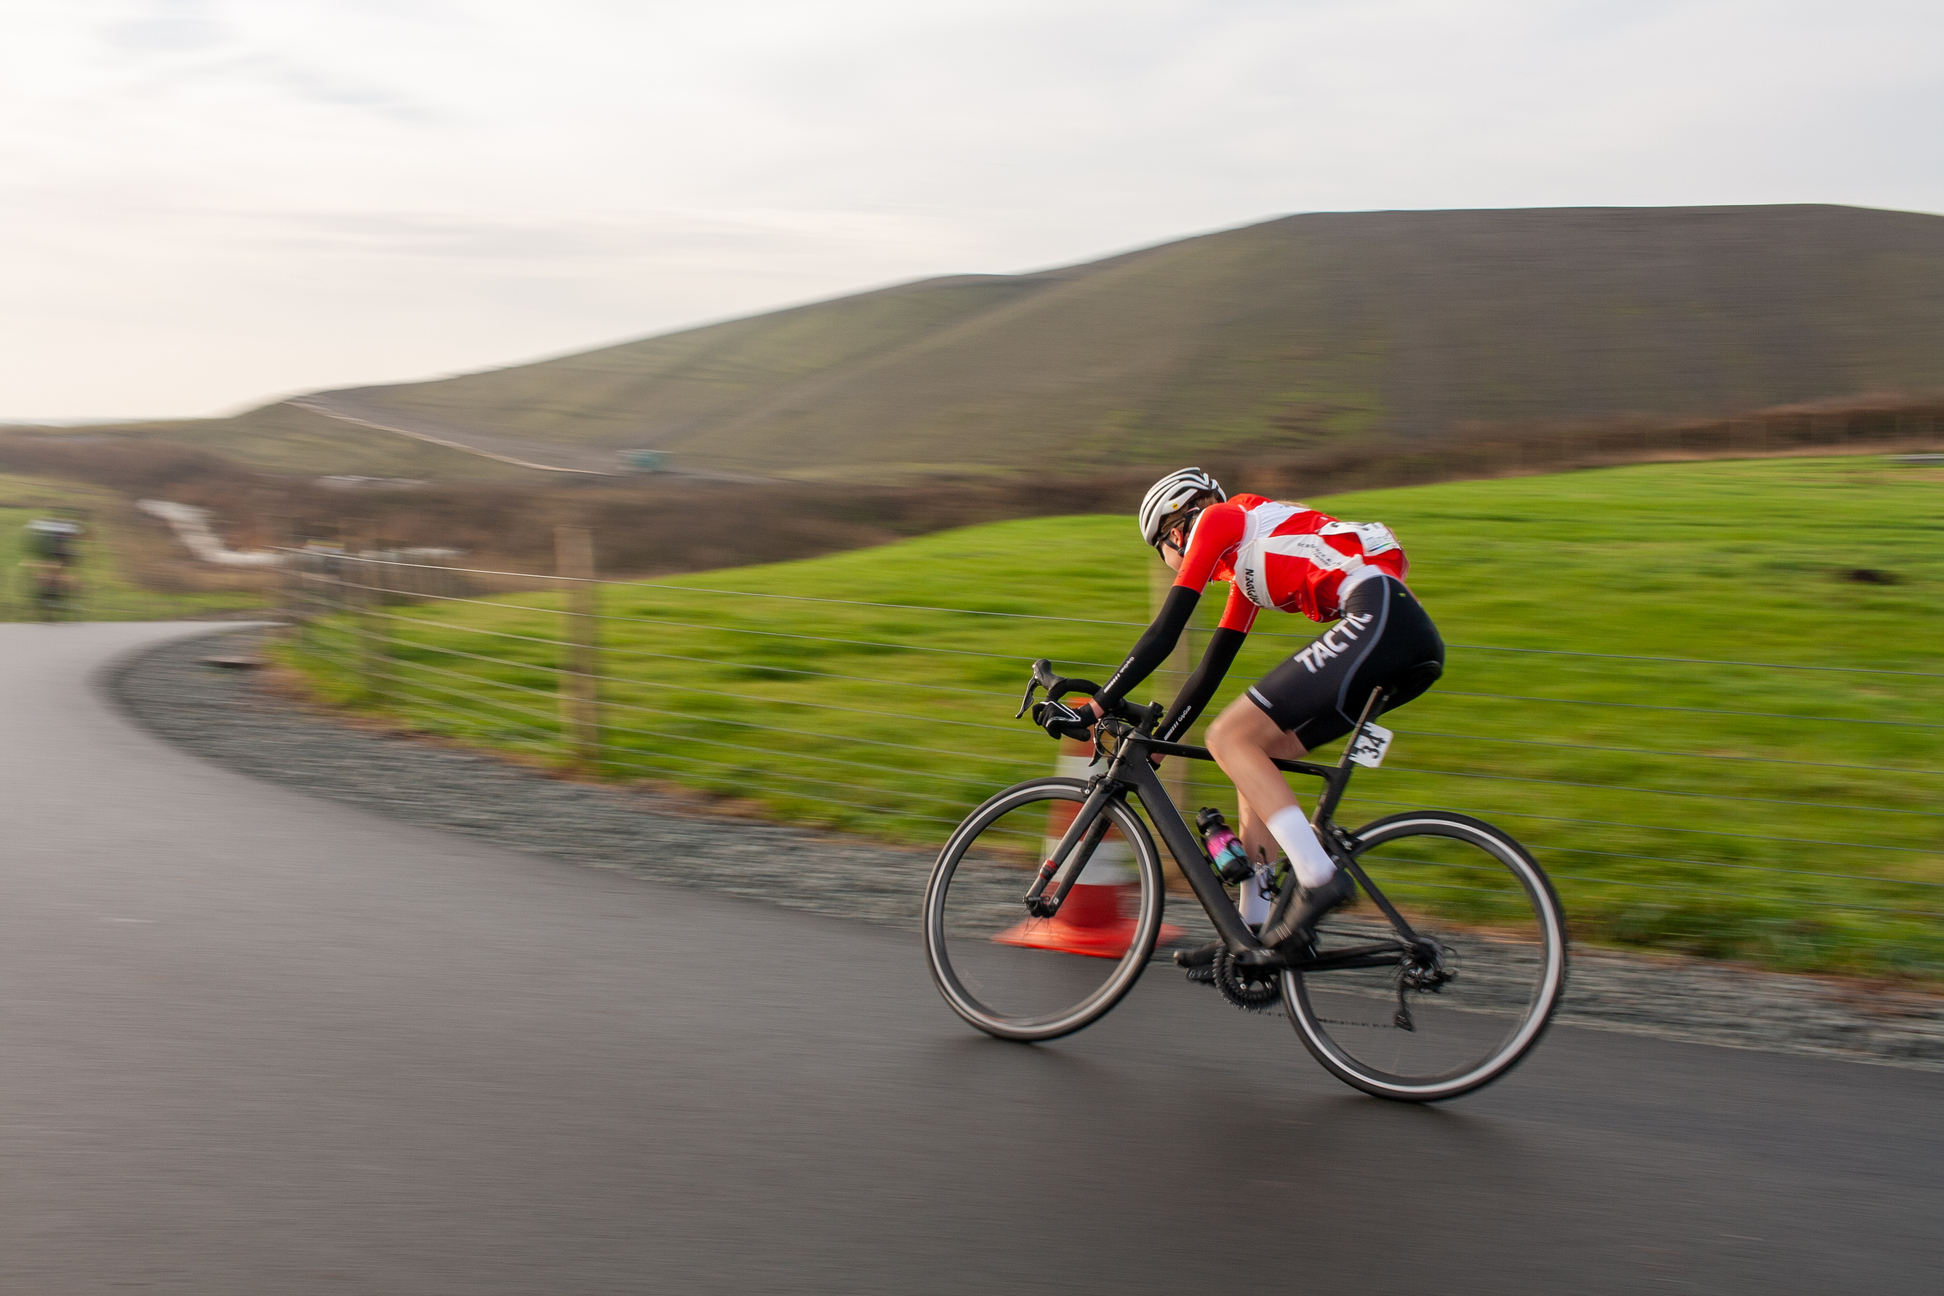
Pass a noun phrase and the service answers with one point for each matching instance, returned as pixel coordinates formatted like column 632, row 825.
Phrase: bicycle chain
column 1331, row 1021
column 1400, row 1020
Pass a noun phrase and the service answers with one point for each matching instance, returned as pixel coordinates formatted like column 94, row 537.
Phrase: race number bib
column 1370, row 746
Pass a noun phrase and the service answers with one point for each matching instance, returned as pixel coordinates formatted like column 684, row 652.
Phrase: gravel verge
column 237, row 719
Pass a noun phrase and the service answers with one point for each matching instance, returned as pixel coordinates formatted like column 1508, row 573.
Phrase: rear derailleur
column 1425, row 969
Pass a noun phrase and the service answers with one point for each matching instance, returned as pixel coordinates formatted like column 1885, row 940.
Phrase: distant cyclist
column 1288, row 558
column 53, row 552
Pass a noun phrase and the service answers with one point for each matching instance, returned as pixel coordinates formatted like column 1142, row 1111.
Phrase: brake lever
column 1043, row 677
column 1056, row 686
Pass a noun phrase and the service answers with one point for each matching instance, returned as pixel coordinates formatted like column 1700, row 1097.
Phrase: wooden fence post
column 365, row 599
column 290, row 578
column 580, row 698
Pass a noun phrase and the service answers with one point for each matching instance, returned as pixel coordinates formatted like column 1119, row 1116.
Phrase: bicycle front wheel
column 1025, row 978
column 1462, row 1015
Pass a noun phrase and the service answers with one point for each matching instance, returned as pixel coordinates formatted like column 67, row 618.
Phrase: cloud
column 316, row 85
column 153, row 27
column 170, row 33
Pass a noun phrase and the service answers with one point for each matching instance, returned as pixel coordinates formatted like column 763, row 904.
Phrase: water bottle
column 1224, row 847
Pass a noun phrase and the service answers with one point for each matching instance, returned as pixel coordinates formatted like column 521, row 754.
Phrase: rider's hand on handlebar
column 1063, row 721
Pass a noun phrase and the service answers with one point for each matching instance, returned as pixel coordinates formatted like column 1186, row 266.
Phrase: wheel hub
column 1428, row 967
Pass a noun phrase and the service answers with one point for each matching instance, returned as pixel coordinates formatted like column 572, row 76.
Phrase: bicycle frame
column 1130, row 770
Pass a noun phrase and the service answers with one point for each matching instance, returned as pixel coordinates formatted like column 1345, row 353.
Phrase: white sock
column 1254, row 904
column 1306, row 854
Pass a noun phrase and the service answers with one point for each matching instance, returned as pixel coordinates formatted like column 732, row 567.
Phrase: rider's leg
column 1245, row 743
column 1257, row 840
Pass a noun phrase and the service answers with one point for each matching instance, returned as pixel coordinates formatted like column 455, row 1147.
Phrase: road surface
column 252, row 1042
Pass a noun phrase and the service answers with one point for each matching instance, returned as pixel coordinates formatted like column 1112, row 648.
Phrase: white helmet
column 1172, row 494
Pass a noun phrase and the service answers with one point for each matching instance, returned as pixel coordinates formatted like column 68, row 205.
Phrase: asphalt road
column 255, row 1042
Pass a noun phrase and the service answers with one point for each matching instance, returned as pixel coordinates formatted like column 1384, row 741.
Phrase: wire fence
column 1648, row 804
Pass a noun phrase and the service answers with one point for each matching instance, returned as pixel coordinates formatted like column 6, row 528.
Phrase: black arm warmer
column 1153, row 647
column 1201, row 686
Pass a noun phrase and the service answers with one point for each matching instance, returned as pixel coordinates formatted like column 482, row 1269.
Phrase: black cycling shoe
column 1295, row 934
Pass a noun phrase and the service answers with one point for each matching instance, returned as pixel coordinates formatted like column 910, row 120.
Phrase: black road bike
column 1436, row 980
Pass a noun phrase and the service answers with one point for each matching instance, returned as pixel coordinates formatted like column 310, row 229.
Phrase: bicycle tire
column 1478, row 892
column 994, row 967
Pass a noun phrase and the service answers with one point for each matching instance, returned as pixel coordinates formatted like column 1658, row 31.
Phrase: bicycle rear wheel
column 1025, row 978
column 1437, row 1028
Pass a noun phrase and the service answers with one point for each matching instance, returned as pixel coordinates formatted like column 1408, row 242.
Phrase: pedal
column 1199, row 957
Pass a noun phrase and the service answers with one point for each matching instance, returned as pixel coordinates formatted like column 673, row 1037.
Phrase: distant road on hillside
column 347, row 407
column 353, row 406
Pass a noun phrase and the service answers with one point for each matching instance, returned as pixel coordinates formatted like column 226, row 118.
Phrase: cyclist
column 1288, row 558
column 53, row 552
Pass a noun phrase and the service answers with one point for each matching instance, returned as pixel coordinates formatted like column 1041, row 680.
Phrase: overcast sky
column 207, row 203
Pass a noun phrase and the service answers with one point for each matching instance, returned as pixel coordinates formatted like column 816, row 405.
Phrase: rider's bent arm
column 1201, row 686
column 1153, row 647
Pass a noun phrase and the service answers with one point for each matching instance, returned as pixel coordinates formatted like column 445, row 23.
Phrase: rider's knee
column 1242, row 724
column 1235, row 726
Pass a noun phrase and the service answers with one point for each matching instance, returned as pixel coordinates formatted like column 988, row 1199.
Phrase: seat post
column 1371, row 709
column 1339, row 776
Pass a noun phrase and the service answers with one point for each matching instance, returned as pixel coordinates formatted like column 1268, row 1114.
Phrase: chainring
column 1250, row 989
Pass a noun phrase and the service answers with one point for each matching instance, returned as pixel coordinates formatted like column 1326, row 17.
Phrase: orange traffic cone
column 1099, row 914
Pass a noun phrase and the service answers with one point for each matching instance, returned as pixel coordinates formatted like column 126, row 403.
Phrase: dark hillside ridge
column 1271, row 340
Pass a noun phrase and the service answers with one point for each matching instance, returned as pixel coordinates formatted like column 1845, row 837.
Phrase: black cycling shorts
column 1385, row 637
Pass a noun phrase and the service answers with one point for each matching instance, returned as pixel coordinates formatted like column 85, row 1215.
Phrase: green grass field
column 107, row 593
column 1788, row 817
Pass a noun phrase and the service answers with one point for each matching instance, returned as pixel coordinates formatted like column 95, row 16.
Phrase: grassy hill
column 1709, row 808
column 1262, row 341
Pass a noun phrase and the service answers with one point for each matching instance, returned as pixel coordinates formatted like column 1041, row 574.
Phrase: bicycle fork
column 1089, row 826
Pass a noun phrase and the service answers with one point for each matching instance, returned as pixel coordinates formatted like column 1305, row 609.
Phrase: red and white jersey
column 1284, row 556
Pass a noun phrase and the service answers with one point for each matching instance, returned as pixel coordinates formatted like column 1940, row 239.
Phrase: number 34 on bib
column 1368, row 751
